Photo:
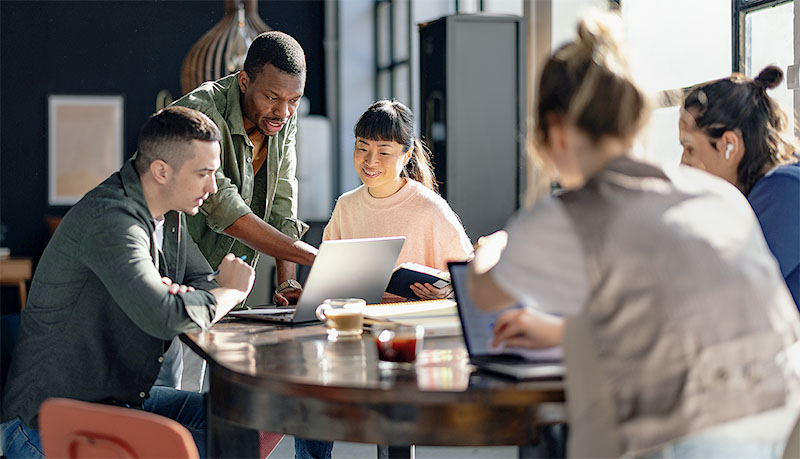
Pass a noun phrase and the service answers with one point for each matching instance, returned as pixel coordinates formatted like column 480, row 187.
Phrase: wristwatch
column 287, row 284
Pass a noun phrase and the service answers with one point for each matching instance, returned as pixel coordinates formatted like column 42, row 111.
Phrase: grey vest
column 688, row 318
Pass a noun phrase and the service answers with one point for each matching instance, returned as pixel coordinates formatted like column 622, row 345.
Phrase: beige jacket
column 688, row 323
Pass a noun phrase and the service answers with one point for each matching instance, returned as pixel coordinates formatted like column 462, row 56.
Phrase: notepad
column 439, row 317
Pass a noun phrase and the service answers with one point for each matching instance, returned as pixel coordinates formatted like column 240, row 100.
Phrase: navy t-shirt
column 776, row 202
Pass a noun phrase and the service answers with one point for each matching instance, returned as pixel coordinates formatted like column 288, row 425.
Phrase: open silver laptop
column 477, row 326
column 346, row 268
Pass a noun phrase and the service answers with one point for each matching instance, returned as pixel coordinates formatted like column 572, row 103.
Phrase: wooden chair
column 75, row 429
column 17, row 271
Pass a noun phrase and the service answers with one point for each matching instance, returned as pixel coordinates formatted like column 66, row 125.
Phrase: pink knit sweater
column 434, row 234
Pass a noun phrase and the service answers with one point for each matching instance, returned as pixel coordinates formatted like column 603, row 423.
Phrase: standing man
column 255, row 209
column 119, row 279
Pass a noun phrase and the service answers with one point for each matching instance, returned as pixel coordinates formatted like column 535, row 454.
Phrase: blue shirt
column 776, row 201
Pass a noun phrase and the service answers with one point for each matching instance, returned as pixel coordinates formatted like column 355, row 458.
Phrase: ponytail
column 419, row 167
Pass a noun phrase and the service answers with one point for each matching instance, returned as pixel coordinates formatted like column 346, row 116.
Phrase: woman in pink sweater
column 399, row 196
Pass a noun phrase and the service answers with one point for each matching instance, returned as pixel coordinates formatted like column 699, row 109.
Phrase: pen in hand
column 214, row 275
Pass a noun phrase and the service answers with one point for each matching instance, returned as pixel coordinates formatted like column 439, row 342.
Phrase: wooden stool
column 17, row 271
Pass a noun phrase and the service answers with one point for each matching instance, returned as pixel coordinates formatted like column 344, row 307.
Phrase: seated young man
column 120, row 278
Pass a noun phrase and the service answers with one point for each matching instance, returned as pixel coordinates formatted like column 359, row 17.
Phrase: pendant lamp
column 221, row 51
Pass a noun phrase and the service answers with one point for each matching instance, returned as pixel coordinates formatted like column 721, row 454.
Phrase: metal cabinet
column 472, row 103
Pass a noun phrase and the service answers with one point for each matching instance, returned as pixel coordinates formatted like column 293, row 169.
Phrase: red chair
column 75, row 429
column 267, row 442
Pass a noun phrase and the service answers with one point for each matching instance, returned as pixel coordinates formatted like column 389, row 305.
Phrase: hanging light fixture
column 221, row 51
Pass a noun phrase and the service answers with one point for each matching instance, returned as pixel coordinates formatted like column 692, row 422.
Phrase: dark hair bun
column 770, row 77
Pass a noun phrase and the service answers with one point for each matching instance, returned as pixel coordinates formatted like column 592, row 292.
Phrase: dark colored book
column 409, row 273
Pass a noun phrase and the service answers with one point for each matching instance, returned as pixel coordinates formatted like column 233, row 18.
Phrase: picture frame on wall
column 85, row 137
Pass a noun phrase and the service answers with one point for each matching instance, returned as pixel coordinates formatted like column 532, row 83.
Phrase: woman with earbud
column 731, row 128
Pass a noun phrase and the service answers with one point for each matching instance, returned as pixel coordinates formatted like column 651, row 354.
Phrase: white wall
column 673, row 45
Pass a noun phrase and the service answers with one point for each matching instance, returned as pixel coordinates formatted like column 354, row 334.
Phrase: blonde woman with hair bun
column 680, row 336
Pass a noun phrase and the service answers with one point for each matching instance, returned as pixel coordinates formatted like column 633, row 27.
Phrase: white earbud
column 728, row 150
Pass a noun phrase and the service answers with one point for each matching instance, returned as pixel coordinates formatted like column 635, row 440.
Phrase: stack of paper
column 439, row 317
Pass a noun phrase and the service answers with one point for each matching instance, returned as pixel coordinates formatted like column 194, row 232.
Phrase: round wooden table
column 294, row 380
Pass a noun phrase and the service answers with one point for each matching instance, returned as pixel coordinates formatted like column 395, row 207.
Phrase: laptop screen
column 478, row 325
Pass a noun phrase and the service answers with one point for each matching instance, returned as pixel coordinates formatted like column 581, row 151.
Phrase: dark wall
column 132, row 48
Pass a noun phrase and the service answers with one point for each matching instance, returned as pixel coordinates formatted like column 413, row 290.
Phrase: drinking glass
column 397, row 344
column 342, row 316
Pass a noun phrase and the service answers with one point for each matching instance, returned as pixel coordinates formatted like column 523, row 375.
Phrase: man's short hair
column 278, row 49
column 165, row 135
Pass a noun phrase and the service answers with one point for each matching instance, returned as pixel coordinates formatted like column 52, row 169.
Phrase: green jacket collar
column 132, row 184
column 233, row 107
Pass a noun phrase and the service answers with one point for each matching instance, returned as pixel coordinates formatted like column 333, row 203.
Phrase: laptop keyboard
column 512, row 359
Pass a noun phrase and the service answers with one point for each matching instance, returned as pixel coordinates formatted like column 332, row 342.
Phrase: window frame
column 394, row 62
column 739, row 9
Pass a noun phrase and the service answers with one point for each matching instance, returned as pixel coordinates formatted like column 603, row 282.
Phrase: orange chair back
column 75, row 429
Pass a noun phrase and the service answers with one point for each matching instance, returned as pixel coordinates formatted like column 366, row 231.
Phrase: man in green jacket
column 255, row 209
column 119, row 279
